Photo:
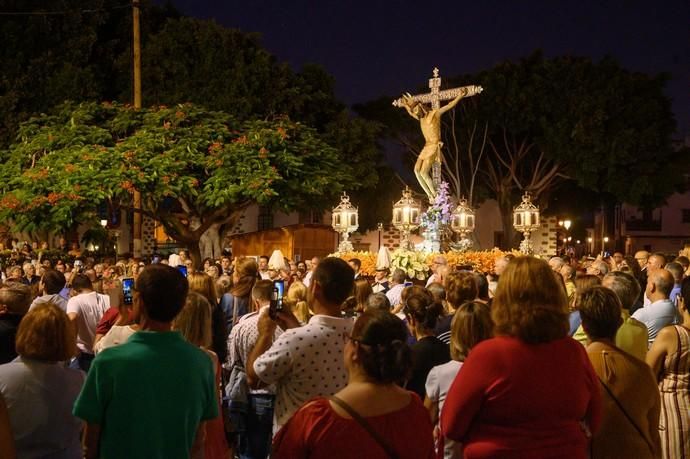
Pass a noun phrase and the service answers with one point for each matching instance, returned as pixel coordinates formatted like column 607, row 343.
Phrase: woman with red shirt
column 376, row 356
column 530, row 391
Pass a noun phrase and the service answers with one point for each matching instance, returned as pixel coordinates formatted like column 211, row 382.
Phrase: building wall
column 665, row 231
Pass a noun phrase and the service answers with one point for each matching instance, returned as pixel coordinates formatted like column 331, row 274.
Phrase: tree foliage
column 194, row 168
column 71, row 54
column 85, row 55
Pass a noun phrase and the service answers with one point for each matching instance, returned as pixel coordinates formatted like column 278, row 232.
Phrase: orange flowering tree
column 195, row 169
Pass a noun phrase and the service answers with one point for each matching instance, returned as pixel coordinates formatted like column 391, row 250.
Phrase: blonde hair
column 530, row 302
column 45, row 333
column 246, row 271
column 194, row 320
column 203, row 283
column 471, row 324
column 361, row 293
column 296, row 298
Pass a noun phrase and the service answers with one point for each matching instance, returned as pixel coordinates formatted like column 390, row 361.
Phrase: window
column 685, row 216
column 265, row 219
column 311, row 216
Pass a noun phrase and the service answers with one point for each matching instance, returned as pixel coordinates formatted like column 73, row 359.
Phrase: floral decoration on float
column 417, row 264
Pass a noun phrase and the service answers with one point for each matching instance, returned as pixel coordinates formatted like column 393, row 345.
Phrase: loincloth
column 430, row 150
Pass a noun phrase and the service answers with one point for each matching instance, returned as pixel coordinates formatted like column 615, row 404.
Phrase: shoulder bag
column 366, row 426
column 627, row 416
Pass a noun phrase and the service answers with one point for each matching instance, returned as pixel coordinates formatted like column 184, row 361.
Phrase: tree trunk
column 209, row 243
column 195, row 254
column 510, row 236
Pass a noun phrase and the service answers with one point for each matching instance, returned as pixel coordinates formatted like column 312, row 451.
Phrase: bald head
column 656, row 261
column 659, row 285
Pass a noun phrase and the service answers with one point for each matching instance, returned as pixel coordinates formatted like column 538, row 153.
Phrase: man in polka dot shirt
column 305, row 362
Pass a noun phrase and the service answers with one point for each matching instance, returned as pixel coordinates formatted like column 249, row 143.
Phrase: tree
column 194, row 168
column 541, row 122
column 67, row 50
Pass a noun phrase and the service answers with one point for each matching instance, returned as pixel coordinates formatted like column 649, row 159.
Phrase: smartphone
column 408, row 284
column 182, row 269
column 276, row 298
column 127, row 288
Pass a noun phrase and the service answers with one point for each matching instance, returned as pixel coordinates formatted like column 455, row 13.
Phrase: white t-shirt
column 437, row 384
column 39, row 398
column 89, row 308
column 117, row 334
column 656, row 316
column 304, row 363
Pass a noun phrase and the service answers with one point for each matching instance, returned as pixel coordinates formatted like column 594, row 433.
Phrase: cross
column 436, row 95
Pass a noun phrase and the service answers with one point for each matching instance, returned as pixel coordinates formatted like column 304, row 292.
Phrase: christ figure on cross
column 430, row 123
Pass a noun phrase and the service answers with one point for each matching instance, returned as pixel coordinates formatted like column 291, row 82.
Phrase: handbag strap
column 365, row 425
column 627, row 416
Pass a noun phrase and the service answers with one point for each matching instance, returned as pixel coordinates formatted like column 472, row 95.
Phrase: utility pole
column 136, row 54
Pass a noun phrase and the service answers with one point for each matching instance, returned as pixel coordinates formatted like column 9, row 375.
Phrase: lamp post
column 406, row 217
column 590, row 244
column 462, row 222
column 526, row 220
column 563, row 224
column 603, row 244
column 345, row 220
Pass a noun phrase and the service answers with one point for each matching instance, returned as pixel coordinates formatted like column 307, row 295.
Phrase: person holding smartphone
column 306, row 361
column 158, row 366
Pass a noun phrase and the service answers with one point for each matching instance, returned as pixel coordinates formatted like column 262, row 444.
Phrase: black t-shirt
column 426, row 354
column 8, row 331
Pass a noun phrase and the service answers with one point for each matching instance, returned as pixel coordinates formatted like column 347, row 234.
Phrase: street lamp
column 406, row 217
column 526, row 220
column 563, row 224
column 462, row 221
column 345, row 220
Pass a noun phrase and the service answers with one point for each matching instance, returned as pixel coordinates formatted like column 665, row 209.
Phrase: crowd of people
column 158, row 359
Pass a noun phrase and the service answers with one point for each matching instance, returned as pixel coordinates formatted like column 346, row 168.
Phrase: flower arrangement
column 417, row 265
column 440, row 212
column 481, row 261
column 413, row 263
column 368, row 260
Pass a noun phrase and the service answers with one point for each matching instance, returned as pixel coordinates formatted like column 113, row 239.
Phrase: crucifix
column 430, row 123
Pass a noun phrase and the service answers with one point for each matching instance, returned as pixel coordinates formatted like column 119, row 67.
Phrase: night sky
column 377, row 47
